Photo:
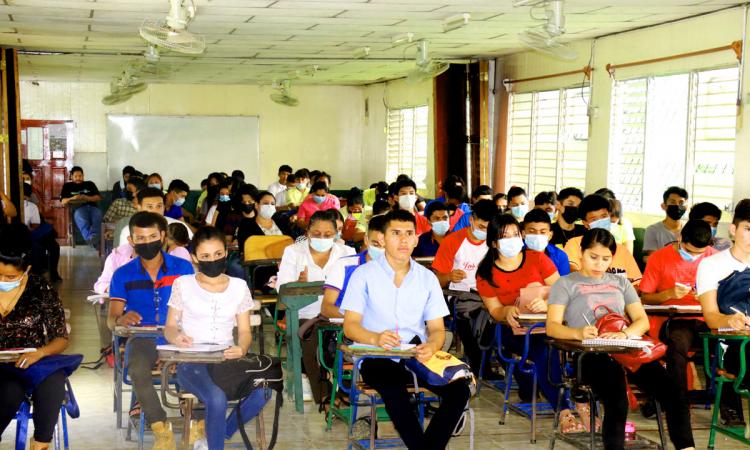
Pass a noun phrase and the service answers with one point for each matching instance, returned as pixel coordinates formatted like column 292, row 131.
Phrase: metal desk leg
column 188, row 418
column 294, row 359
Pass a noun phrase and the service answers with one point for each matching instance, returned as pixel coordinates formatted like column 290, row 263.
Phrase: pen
column 736, row 310
column 586, row 319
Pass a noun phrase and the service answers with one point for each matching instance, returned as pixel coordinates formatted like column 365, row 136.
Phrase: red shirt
column 455, row 217
column 665, row 268
column 423, row 224
column 535, row 267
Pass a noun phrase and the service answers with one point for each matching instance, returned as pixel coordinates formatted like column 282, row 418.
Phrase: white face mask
column 267, row 211
column 407, row 201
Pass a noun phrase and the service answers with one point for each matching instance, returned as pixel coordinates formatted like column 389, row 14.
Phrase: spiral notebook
column 631, row 343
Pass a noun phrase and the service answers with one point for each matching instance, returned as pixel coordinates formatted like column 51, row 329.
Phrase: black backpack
column 734, row 291
column 238, row 378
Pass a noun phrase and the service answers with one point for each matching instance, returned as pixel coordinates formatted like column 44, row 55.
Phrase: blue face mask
column 441, row 227
column 536, row 242
column 604, row 224
column 552, row 216
column 224, row 198
column 510, row 247
column 687, row 256
column 321, row 244
column 7, row 286
column 180, row 201
column 713, row 231
column 479, row 234
column 155, row 185
column 319, row 198
column 519, row 211
column 375, row 252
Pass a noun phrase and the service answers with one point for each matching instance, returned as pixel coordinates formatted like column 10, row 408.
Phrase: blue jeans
column 196, row 379
column 89, row 220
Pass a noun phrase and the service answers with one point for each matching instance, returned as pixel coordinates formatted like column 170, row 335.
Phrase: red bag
column 615, row 323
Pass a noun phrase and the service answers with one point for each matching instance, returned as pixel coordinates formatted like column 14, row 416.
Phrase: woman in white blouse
column 203, row 309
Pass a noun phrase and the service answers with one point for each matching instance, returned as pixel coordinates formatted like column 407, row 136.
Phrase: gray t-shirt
column 657, row 236
column 582, row 295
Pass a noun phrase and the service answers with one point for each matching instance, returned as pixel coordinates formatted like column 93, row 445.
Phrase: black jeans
column 390, row 380
column 607, row 380
column 46, row 401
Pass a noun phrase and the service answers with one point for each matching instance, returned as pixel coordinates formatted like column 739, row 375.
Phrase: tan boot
column 38, row 445
column 197, row 430
column 163, row 437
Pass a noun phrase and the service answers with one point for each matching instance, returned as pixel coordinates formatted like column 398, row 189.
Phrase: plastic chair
column 69, row 408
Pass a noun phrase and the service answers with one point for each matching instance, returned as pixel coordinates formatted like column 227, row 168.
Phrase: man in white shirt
column 281, row 185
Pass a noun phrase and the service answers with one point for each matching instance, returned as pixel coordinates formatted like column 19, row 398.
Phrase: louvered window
column 406, row 146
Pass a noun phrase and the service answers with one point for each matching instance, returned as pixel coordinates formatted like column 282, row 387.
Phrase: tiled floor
column 95, row 429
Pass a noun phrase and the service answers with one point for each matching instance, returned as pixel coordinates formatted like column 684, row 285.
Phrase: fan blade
column 160, row 34
column 284, row 98
column 133, row 89
column 543, row 43
column 114, row 99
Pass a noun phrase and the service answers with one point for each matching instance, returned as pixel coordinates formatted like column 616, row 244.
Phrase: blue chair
column 60, row 439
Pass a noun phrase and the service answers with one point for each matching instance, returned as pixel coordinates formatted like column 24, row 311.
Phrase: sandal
column 569, row 423
column 584, row 412
column 135, row 411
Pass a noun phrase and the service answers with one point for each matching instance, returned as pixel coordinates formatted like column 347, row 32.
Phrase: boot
column 163, row 437
column 38, row 445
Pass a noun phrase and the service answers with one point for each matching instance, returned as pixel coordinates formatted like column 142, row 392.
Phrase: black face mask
column 247, row 208
column 570, row 214
column 675, row 212
column 149, row 250
column 213, row 269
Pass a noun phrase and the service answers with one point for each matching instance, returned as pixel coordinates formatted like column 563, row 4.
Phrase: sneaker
column 163, row 437
column 648, row 409
column 306, row 389
column 200, row 444
column 730, row 417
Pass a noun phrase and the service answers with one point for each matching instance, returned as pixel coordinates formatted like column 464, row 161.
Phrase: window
column 674, row 130
column 406, row 146
column 548, row 139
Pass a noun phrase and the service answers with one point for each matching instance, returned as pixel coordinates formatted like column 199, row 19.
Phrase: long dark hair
column 495, row 230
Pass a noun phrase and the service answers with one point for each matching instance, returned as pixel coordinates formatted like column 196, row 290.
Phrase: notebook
column 540, row 317
column 197, row 348
column 732, row 330
column 401, row 348
column 631, row 343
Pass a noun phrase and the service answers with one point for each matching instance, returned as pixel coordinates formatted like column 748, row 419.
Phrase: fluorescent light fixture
column 362, row 52
column 404, row 38
column 455, row 22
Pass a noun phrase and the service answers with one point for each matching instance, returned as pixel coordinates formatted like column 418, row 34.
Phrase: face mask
column 319, row 198
column 551, row 216
column 129, row 195
column 213, row 269
column 247, row 208
column 510, row 247
column 407, row 201
column 7, row 286
column 441, row 227
column 179, row 201
column 149, row 250
column 301, row 186
column 321, row 244
column 536, row 242
column 714, row 230
column 27, row 182
column 675, row 212
column 357, row 216
column 687, row 256
column 375, row 252
column 519, row 211
column 479, row 234
column 155, row 185
column 224, row 198
column 267, row 211
column 604, row 224
column 570, row 215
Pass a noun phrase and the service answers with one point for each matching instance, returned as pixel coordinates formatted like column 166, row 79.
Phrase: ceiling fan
column 124, row 87
column 283, row 94
column 545, row 38
column 171, row 33
column 425, row 67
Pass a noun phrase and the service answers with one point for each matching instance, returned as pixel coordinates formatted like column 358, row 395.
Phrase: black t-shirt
column 561, row 237
column 71, row 189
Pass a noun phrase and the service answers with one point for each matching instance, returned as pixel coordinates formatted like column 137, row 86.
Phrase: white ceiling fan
column 425, row 68
column 283, row 94
column 171, row 33
column 545, row 38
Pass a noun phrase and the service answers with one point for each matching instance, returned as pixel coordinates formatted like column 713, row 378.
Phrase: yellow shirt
column 622, row 260
column 295, row 196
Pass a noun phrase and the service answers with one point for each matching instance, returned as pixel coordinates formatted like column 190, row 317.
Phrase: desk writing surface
column 139, row 331
column 577, row 346
column 375, row 351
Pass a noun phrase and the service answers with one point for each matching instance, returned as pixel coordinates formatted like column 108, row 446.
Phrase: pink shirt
column 119, row 257
column 309, row 207
column 181, row 252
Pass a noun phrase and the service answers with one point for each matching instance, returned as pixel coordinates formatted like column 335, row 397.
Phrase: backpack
column 734, row 291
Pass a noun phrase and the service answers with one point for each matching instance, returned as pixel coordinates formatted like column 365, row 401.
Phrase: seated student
column 45, row 251
column 455, row 265
column 280, row 185
column 663, row 233
column 204, row 308
column 572, row 308
column 373, row 315
column 355, row 222
column 481, row 192
column 177, row 241
column 718, row 296
column 428, row 244
column 138, row 295
column 259, row 218
column 119, row 188
column 565, row 228
column 222, row 205
column 237, row 180
column 621, row 228
column 443, row 186
column 518, row 202
column 711, row 214
column 155, row 181
column 454, row 200
column 151, row 200
column 547, row 202
column 377, row 191
column 501, row 200
column 214, row 180
column 32, row 316
column 537, row 235
column 320, row 199
column 380, row 207
column 280, row 198
column 594, row 211
column 405, row 192
column 87, row 216
column 125, row 206
column 296, row 195
column 175, row 198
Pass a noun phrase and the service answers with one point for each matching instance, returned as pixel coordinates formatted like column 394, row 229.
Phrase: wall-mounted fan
column 171, row 33
column 425, row 68
column 283, row 94
column 545, row 38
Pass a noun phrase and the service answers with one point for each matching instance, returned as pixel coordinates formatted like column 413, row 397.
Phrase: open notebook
column 196, row 348
column 633, row 343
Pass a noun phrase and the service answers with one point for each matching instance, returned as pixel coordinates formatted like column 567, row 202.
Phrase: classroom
column 360, row 224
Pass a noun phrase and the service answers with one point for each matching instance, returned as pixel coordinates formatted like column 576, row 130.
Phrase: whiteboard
column 184, row 147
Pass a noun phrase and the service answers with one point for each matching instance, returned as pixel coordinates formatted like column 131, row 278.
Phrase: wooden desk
column 9, row 358
column 672, row 311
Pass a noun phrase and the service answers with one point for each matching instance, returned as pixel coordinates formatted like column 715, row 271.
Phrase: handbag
column 615, row 323
column 442, row 369
column 238, row 378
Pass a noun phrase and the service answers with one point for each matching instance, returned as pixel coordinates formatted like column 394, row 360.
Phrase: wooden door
column 48, row 146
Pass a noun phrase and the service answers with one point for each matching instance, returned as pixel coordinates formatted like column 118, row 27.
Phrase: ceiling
column 257, row 41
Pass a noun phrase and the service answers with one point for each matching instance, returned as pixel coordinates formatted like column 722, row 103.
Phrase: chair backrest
column 266, row 247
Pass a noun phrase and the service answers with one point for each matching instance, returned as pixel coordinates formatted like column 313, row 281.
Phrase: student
column 324, row 177
column 373, row 315
column 380, row 207
column 443, row 186
column 118, row 189
column 237, row 179
column 712, row 274
column 537, row 235
column 518, row 202
column 481, row 192
column 204, row 308
column 177, row 241
column 711, row 214
column 259, row 218
column 595, row 211
column 456, row 264
column 27, row 299
column 87, row 216
column 222, row 205
column 454, row 200
column 320, row 199
column 406, row 198
column 155, row 181
column 378, row 191
column 547, row 202
column 428, row 244
column 138, row 295
column 501, row 200
column 573, row 302
column 45, row 251
column 565, row 228
column 280, row 185
column 355, row 220
column 295, row 196
column 312, row 260
column 175, row 198
column 150, row 200
column 214, row 180
column 281, row 200
column 663, row 233
column 621, row 228
column 124, row 206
